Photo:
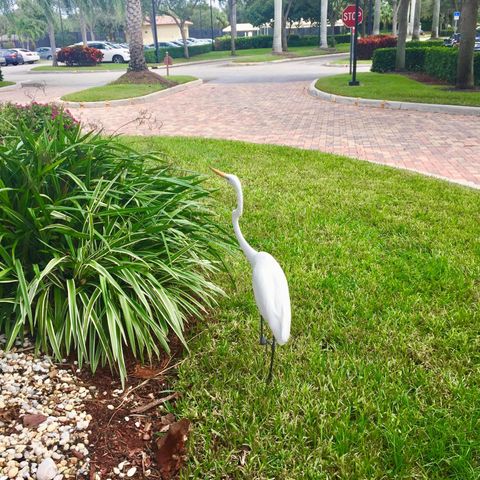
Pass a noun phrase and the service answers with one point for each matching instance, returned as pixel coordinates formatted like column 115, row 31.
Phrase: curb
column 9, row 88
column 392, row 104
column 131, row 101
column 185, row 64
column 284, row 60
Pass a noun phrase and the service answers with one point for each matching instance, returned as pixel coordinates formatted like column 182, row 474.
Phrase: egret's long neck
column 236, row 214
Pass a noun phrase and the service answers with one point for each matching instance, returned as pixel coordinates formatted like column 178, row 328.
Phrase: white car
column 27, row 55
column 110, row 52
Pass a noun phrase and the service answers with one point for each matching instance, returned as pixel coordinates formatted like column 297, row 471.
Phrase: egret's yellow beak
column 218, row 172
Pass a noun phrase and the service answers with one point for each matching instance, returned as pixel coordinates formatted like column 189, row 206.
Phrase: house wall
column 165, row 33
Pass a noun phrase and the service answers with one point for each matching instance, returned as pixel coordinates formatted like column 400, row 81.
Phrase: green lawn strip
column 64, row 68
column 391, row 86
column 380, row 378
column 344, row 61
column 252, row 52
column 120, row 91
column 6, row 84
column 293, row 52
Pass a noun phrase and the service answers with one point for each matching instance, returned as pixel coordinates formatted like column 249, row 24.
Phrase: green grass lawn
column 64, row 68
column 6, row 84
column 381, row 377
column 253, row 54
column 118, row 91
column 345, row 61
column 392, row 86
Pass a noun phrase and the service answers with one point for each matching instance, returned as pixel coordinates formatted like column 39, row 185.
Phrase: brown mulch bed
column 134, row 426
column 144, row 77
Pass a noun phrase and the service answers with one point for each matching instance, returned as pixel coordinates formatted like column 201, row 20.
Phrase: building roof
column 165, row 20
column 242, row 27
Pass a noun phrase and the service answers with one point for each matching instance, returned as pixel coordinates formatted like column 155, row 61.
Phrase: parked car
column 163, row 45
column 27, row 55
column 46, row 52
column 200, row 41
column 110, row 53
column 11, row 57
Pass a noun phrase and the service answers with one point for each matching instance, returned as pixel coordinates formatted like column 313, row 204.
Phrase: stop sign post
column 352, row 17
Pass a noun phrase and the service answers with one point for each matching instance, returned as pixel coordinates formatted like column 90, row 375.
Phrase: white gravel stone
column 47, row 470
column 35, row 386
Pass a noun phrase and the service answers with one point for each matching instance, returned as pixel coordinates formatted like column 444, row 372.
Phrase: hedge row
column 175, row 52
column 266, row 41
column 437, row 62
column 368, row 45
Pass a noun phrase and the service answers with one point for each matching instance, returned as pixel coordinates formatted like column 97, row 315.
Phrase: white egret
column 270, row 285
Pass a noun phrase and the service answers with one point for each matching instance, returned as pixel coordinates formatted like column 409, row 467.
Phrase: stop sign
column 348, row 16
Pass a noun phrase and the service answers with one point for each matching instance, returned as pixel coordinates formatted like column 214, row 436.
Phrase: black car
column 12, row 57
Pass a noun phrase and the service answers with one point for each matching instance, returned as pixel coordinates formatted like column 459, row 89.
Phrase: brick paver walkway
column 443, row 145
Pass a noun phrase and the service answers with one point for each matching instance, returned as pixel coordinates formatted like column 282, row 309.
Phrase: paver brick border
column 134, row 100
column 392, row 104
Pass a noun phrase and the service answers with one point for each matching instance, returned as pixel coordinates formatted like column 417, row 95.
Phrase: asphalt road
column 57, row 84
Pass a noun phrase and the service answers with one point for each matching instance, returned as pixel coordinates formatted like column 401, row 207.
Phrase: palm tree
column 402, row 34
column 435, row 18
column 134, row 20
column 376, row 17
column 277, row 26
column 323, row 23
column 465, row 53
column 49, row 11
column 233, row 24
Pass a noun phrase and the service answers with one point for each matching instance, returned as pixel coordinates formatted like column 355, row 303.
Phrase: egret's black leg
column 263, row 340
column 270, row 372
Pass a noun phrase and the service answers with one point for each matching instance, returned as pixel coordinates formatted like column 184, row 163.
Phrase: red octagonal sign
column 348, row 16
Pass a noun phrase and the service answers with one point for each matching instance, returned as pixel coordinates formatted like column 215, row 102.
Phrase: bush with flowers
column 367, row 45
column 35, row 115
column 80, row 55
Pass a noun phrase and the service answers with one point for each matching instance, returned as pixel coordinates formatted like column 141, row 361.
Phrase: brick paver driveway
column 270, row 104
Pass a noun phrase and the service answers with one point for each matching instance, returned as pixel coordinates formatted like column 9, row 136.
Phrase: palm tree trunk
column 233, row 25
column 53, row 45
column 323, row 23
column 411, row 15
column 394, row 17
column 92, row 34
column 277, row 26
column 285, row 16
column 376, row 17
column 435, row 18
column 83, row 25
column 402, row 34
column 465, row 53
column 135, row 37
column 416, row 20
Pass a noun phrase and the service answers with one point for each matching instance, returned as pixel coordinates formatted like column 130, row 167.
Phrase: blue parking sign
column 456, row 15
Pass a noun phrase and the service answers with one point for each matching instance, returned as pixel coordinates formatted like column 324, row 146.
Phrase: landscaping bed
column 397, row 87
column 118, row 91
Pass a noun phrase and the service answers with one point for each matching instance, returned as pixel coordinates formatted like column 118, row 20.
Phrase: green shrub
column 441, row 63
column 425, row 44
column 266, row 41
column 446, row 33
column 175, row 52
column 383, row 60
column 339, row 38
column 34, row 116
column 102, row 249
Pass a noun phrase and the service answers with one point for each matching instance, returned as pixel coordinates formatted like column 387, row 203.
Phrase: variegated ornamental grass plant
column 102, row 249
